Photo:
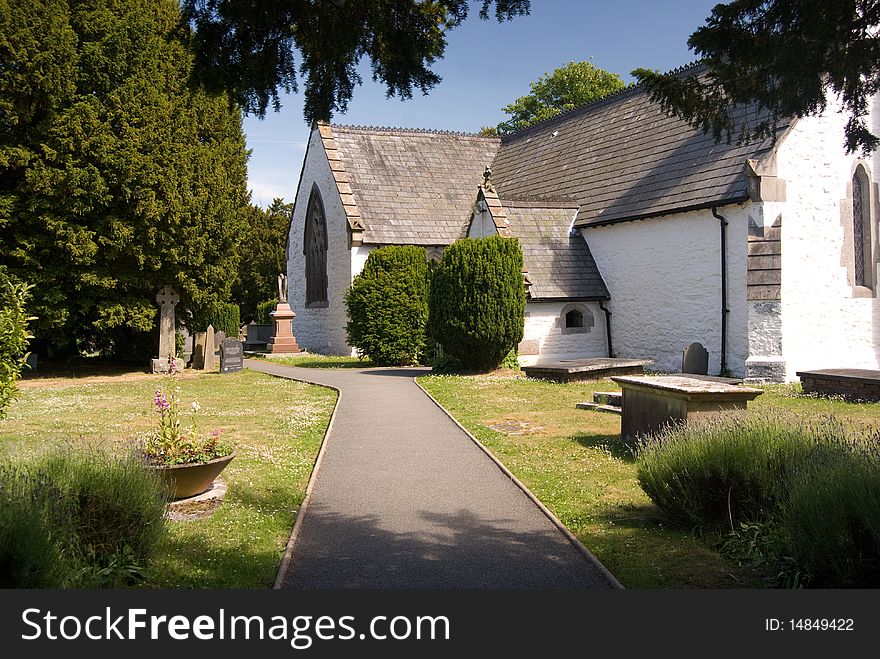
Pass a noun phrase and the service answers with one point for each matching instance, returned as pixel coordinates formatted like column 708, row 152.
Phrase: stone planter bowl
column 188, row 480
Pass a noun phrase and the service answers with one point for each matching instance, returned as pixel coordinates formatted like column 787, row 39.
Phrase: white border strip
column 612, row 580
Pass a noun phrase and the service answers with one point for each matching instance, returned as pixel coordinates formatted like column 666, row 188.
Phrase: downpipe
column 607, row 327
column 724, row 310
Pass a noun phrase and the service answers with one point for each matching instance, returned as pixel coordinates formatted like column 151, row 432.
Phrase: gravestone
column 198, row 357
column 167, row 299
column 695, row 360
column 210, row 360
column 231, row 356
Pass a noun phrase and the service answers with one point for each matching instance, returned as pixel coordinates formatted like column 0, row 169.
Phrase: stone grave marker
column 167, row 299
column 210, row 360
column 198, row 356
column 231, row 356
column 695, row 359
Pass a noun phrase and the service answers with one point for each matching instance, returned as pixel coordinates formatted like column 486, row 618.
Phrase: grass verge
column 575, row 464
column 276, row 426
column 309, row 360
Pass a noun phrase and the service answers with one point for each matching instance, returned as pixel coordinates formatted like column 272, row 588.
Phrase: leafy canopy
column 263, row 256
column 115, row 177
column 781, row 55
column 566, row 88
column 248, row 48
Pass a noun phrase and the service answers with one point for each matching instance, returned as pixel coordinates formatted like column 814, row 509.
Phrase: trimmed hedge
column 477, row 301
column 388, row 306
column 263, row 311
column 226, row 318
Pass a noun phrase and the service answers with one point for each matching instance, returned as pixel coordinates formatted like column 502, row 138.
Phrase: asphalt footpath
column 404, row 499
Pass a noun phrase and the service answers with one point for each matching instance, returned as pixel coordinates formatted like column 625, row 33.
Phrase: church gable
column 408, row 187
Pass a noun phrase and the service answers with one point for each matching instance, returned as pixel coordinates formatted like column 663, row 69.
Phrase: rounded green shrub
column 388, row 306
column 13, row 336
column 477, row 301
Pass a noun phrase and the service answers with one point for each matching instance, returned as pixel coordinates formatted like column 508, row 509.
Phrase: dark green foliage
column 263, row 256
column 801, row 498
column 13, row 336
column 262, row 316
column 566, row 88
column 477, row 301
column 832, row 518
column 225, row 317
column 783, row 55
column 82, row 520
column 248, row 48
column 115, row 177
column 388, row 306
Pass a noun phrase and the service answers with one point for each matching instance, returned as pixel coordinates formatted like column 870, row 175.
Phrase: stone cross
column 167, row 299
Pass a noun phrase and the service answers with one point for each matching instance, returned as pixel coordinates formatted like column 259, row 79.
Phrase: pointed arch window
column 315, row 250
column 861, row 216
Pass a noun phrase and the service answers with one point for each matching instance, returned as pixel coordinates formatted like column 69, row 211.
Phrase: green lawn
column 276, row 426
column 309, row 360
column 574, row 462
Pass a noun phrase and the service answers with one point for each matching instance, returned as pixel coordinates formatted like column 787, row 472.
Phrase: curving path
column 404, row 499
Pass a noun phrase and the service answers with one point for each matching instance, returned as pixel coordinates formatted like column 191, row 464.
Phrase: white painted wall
column 320, row 330
column 824, row 324
column 544, row 324
column 664, row 275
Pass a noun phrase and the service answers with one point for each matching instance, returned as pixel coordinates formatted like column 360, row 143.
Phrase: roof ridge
column 629, row 90
column 416, row 131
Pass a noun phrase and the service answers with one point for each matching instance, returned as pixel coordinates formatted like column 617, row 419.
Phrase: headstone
column 210, row 360
column 219, row 338
column 695, row 359
column 231, row 356
column 282, row 339
column 198, row 360
column 167, row 299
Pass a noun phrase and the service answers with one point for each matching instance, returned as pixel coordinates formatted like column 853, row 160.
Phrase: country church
column 640, row 234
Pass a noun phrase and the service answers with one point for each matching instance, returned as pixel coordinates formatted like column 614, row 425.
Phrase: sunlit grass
column 276, row 426
column 574, row 462
column 309, row 360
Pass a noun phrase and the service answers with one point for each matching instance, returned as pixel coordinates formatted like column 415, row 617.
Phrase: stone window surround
column 587, row 315
column 316, row 200
column 861, row 168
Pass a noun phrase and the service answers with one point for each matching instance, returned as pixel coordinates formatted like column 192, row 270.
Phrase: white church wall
column 664, row 275
column 320, row 330
column 543, row 333
column 826, row 322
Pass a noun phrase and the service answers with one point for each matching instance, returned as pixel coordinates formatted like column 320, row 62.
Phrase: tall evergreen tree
column 115, row 177
column 263, row 256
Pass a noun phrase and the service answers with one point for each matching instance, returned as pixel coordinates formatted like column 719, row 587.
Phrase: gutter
column 724, row 309
column 607, row 327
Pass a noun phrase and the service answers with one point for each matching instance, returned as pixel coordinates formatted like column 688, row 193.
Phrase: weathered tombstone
column 219, row 337
column 695, row 359
column 282, row 339
column 210, row 360
column 167, row 299
column 231, row 356
column 198, row 360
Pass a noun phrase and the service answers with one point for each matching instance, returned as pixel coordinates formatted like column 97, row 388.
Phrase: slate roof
column 559, row 264
column 413, row 187
column 623, row 158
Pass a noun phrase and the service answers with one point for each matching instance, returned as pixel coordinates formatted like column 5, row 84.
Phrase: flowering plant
column 171, row 444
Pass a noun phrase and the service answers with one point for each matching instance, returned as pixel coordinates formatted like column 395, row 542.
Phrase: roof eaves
column 588, row 224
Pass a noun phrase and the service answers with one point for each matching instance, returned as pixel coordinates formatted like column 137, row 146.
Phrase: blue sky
column 488, row 65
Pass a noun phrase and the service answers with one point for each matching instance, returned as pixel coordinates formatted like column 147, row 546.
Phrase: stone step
column 600, row 407
column 614, row 398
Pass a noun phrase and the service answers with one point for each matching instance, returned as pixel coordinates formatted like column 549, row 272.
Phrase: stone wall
column 664, row 275
column 320, row 330
column 545, row 338
column 827, row 321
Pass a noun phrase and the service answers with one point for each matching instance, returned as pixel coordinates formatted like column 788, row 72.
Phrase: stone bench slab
column 596, row 368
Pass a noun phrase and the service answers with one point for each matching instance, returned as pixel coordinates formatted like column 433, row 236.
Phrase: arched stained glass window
column 315, row 250
column 861, row 231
